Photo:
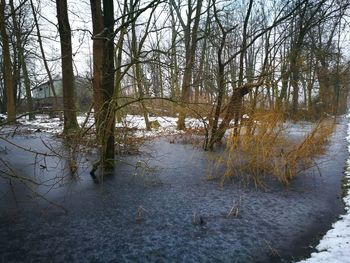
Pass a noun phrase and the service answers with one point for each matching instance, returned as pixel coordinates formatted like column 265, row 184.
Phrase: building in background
column 44, row 99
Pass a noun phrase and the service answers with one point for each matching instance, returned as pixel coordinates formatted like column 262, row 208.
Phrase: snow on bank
column 335, row 245
column 44, row 122
column 165, row 125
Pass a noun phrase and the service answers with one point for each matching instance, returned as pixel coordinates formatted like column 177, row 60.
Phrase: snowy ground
column 167, row 125
column 335, row 245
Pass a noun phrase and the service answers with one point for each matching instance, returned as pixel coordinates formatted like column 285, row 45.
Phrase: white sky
column 80, row 21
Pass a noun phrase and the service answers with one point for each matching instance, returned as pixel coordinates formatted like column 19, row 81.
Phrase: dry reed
column 263, row 150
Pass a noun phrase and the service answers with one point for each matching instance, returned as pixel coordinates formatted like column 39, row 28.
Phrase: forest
column 134, row 96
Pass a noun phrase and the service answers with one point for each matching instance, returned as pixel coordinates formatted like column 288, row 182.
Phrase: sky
column 80, row 22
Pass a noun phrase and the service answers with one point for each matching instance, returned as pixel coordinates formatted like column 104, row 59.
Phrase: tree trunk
column 55, row 106
column 135, row 49
column 70, row 118
column 295, row 77
column 118, row 74
column 27, row 85
column 282, row 98
column 233, row 109
column 174, row 70
column 97, row 47
column 108, row 107
column 199, row 77
column 221, row 91
column 139, row 83
column 323, row 76
column 190, row 46
column 22, row 62
column 8, row 77
column 16, row 73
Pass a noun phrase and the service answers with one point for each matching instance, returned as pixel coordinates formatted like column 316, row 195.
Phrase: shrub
column 263, row 150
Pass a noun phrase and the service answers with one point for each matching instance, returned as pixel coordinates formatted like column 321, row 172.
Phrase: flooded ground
column 169, row 213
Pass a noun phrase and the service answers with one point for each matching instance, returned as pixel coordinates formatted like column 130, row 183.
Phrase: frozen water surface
column 136, row 216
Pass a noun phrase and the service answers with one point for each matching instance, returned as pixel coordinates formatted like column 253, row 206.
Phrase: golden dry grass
column 263, row 149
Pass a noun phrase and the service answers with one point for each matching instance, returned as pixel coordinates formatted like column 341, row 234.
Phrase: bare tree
column 97, row 28
column 233, row 109
column 70, row 118
column 43, row 56
column 136, row 46
column 190, row 39
column 22, row 62
column 107, row 114
column 8, row 76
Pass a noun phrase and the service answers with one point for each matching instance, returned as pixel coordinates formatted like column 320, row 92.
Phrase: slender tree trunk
column 3, row 97
column 135, row 48
column 139, row 83
column 160, row 74
column 27, row 86
column 233, row 109
column 304, row 25
column 16, row 73
column 55, row 106
column 191, row 46
column 310, row 82
column 323, row 76
column 22, row 62
column 220, row 83
column 70, row 118
column 239, row 98
column 118, row 74
column 282, row 98
column 295, row 77
column 8, row 77
column 174, row 70
column 118, row 55
column 140, row 91
column 221, row 91
column 97, row 47
column 303, row 84
column 199, row 76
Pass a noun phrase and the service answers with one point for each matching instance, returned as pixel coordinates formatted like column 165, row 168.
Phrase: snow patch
column 167, row 125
